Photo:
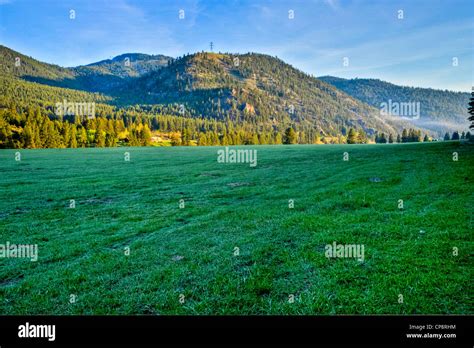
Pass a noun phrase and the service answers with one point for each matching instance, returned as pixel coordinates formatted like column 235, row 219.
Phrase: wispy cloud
column 334, row 4
column 322, row 32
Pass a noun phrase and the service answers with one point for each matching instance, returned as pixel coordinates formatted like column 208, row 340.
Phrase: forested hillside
column 439, row 110
column 256, row 88
column 199, row 99
column 102, row 76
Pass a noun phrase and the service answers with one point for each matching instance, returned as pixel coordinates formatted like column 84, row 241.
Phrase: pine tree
column 446, row 136
column 398, row 138
column 352, row 136
column 290, row 136
column 455, row 136
column 110, row 140
column 111, row 136
column 185, row 137
column 66, row 134
column 405, row 138
column 99, row 138
column 278, row 139
column 215, row 138
column 5, row 136
column 100, row 131
column 419, row 137
column 28, row 137
column 361, row 137
column 425, row 139
column 202, row 141
column 255, row 140
column 411, row 135
column 44, row 133
column 146, row 136
column 134, row 136
column 73, row 137
column 390, row 138
column 36, row 134
column 225, row 139
column 83, row 141
column 471, row 110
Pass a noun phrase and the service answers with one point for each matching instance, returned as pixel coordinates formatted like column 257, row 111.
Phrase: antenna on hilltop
column 212, row 45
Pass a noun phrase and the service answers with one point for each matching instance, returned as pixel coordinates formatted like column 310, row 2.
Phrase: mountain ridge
column 440, row 110
column 252, row 87
column 102, row 76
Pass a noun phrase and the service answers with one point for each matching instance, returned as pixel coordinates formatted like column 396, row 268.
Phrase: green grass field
column 191, row 251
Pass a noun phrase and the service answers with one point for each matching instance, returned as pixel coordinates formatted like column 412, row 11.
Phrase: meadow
column 172, row 231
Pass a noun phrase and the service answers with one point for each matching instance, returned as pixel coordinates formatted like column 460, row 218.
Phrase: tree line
column 35, row 127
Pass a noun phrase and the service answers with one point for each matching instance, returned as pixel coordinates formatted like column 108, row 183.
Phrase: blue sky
column 418, row 50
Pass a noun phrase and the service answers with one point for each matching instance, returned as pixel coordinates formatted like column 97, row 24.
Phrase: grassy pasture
column 191, row 251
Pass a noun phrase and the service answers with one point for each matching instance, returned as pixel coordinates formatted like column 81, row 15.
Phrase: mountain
column 13, row 63
column 256, row 88
column 103, row 76
column 253, row 92
column 440, row 110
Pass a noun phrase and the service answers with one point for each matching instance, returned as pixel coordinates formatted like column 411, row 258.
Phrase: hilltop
column 257, row 88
